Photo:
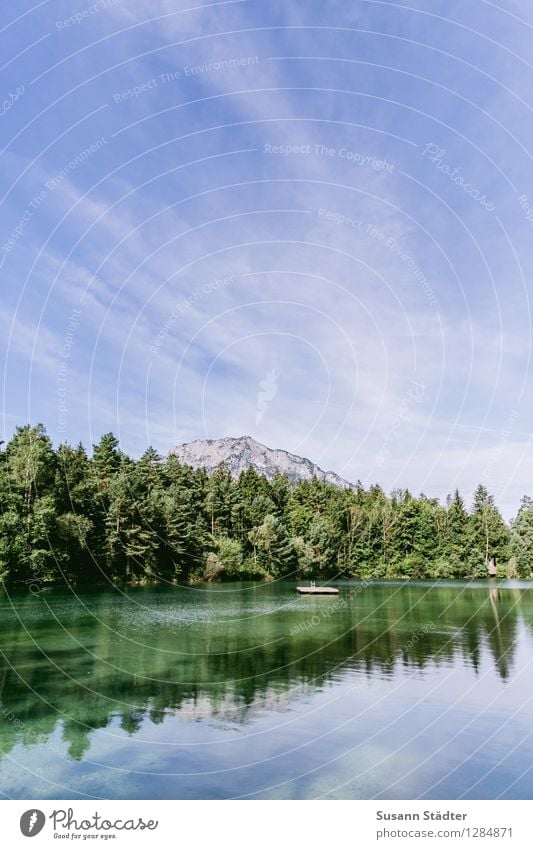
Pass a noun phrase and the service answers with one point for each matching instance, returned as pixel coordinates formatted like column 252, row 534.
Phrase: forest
column 69, row 517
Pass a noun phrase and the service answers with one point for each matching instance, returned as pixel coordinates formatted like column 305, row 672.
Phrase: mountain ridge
column 243, row 452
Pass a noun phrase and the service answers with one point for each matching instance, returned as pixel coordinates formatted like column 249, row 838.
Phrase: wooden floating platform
column 317, row 590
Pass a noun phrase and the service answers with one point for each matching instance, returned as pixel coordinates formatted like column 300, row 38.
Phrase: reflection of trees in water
column 220, row 674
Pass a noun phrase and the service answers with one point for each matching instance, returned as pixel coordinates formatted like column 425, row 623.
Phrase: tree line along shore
column 65, row 516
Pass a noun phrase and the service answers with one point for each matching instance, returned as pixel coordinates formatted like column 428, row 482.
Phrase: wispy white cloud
column 352, row 280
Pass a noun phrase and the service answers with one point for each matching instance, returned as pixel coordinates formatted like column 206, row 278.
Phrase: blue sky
column 306, row 222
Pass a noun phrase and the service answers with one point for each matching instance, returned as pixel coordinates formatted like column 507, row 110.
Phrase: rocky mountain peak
column 244, row 452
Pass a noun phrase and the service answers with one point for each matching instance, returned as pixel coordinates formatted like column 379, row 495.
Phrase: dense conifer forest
column 65, row 516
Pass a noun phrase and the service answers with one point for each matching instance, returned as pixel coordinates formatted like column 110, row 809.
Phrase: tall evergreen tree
column 272, row 547
column 64, row 516
column 28, row 527
column 522, row 538
column 220, row 500
column 489, row 535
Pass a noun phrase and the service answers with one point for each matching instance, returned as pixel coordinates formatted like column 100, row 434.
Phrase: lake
column 390, row 690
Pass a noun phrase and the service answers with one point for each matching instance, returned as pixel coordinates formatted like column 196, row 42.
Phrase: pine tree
column 219, row 500
column 106, row 461
column 272, row 549
column 522, row 538
column 489, row 535
column 64, row 516
column 320, row 541
column 74, row 506
column 28, row 525
column 455, row 546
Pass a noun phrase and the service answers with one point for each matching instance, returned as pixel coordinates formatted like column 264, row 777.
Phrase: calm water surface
column 390, row 690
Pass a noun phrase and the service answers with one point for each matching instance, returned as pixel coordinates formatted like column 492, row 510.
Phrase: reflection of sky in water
column 370, row 701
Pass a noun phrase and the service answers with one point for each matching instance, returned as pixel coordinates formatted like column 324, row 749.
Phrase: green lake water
column 390, row 690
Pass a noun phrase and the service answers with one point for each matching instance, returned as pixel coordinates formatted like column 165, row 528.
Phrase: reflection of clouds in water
column 131, row 682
